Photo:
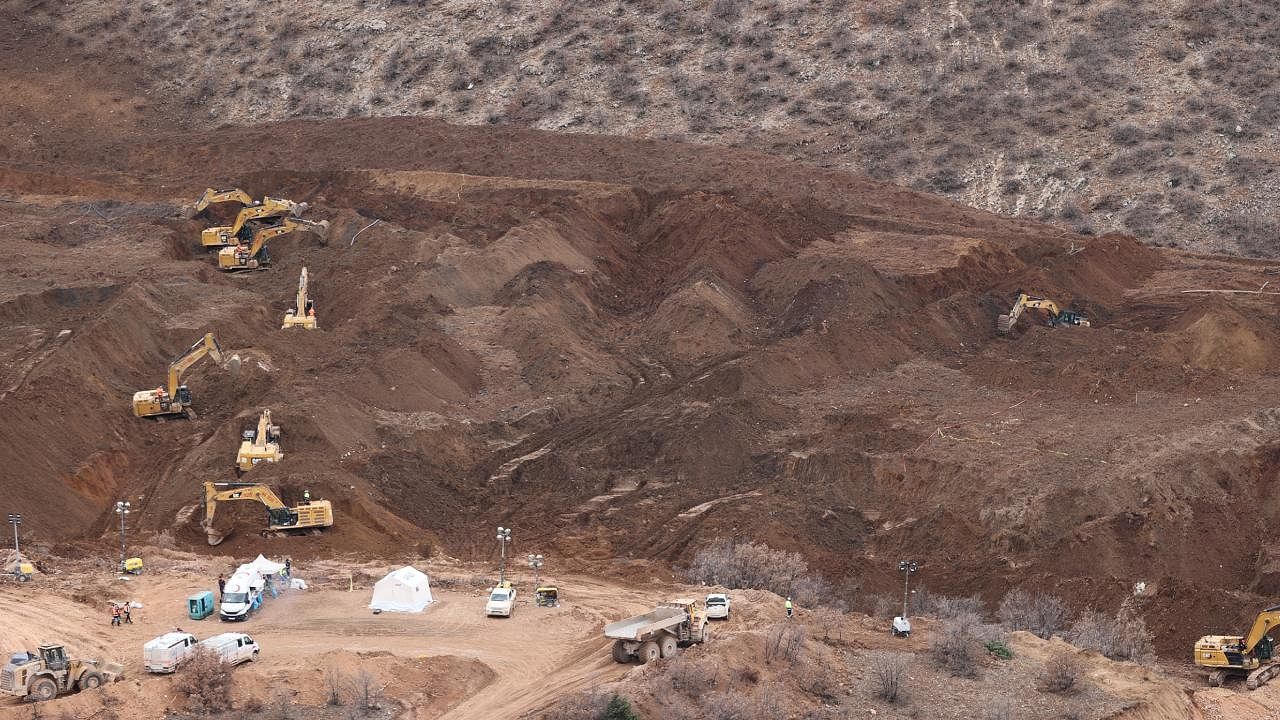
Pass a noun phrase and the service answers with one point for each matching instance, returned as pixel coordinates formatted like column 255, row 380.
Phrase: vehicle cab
column 502, row 600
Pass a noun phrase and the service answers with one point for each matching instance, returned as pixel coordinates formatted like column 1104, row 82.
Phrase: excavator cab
column 54, row 656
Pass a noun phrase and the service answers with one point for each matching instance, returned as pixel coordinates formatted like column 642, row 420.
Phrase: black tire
column 649, row 652
column 620, row 654
column 668, row 646
column 90, row 680
column 43, row 689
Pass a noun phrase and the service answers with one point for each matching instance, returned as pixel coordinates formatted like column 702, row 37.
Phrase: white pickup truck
column 502, row 601
column 717, row 606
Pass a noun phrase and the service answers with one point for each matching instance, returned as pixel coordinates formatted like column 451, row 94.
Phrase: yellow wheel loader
column 259, row 445
column 303, row 314
column 310, row 515
column 241, row 231
column 48, row 673
column 174, row 398
column 253, row 256
column 1250, row 655
column 1057, row 316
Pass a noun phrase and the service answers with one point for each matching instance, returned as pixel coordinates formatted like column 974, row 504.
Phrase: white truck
column 233, row 648
column 502, row 601
column 165, row 653
column 241, row 595
column 718, row 606
column 647, row 637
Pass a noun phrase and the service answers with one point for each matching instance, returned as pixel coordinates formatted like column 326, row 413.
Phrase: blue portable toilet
column 200, row 605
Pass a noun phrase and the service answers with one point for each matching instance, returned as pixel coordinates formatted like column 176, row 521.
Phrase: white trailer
column 660, row 633
column 165, row 653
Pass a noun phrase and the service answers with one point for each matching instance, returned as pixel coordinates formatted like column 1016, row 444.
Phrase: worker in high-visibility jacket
column 789, row 607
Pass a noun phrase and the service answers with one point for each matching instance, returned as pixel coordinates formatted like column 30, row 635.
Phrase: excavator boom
column 314, row 514
column 1057, row 316
column 268, row 208
column 213, row 195
column 208, row 345
column 303, row 313
column 173, row 398
column 248, row 257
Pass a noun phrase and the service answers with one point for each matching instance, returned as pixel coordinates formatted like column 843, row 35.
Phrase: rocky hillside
column 1157, row 119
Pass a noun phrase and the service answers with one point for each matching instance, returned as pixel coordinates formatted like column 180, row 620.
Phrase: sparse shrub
column 619, row 708
column 946, row 181
column 1000, row 708
column 206, row 681
column 762, row 703
column 998, row 648
column 756, row 566
column 783, row 641
column 945, row 607
column 586, row 705
column 1123, row 636
column 1061, row 673
column 1188, row 205
column 687, row 676
column 334, row 683
column 1042, row 615
column 953, row 647
column 1127, row 135
column 366, row 692
column 816, row 680
column 888, row 674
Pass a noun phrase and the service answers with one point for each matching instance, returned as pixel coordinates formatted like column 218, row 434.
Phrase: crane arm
column 206, row 345
column 213, row 195
column 1264, row 623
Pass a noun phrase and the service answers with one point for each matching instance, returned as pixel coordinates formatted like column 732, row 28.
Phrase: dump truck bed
column 641, row 626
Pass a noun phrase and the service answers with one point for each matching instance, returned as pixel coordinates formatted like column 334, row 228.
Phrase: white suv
column 502, row 600
column 718, row 606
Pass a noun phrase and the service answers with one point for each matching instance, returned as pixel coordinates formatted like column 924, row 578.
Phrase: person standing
column 306, row 496
column 789, row 607
column 128, row 615
column 288, row 567
column 222, row 583
column 115, row 615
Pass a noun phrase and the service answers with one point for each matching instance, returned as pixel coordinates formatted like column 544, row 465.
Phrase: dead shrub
column 1123, row 636
column 945, row 607
column 689, row 677
column 366, row 692
column 206, row 681
column 1040, row 614
column 955, row 647
column 756, row 566
column 761, row 703
column 1061, row 673
column 783, row 641
column 334, row 682
column 586, row 705
column 816, row 680
column 1001, row 708
column 887, row 674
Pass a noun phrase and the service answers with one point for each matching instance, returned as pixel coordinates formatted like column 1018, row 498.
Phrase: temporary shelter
column 403, row 590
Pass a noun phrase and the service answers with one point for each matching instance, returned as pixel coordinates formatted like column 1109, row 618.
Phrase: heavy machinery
column 48, row 673
column 212, row 196
column 303, row 313
column 660, row 633
column 1057, row 316
column 259, row 445
column 253, row 256
column 310, row 515
column 1250, row 655
column 174, row 398
column 241, row 231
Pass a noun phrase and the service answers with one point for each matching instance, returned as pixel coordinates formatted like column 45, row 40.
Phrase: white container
column 233, row 648
column 165, row 653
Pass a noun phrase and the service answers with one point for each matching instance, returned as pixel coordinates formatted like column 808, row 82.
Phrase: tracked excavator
column 310, row 515
column 241, row 231
column 1057, row 316
column 261, row 444
column 1251, row 655
column 253, row 256
column 174, row 398
column 303, row 313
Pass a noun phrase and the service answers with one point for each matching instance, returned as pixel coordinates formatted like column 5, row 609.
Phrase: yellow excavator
column 303, row 313
column 259, row 445
column 174, row 398
column 241, row 231
column 253, row 256
column 1250, row 655
column 212, row 196
column 1057, row 316
column 310, row 515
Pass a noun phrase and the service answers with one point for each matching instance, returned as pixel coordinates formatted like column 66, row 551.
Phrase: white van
column 233, row 648
column 165, row 653
column 241, row 595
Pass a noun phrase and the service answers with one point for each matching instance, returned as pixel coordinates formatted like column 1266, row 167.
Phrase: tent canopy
column 403, row 590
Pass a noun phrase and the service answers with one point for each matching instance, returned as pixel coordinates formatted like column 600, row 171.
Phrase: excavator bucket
column 233, row 365
column 214, row 537
column 1004, row 324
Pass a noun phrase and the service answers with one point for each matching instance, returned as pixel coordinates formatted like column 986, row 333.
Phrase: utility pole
column 906, row 567
column 535, row 562
column 504, row 537
column 122, row 509
column 15, row 519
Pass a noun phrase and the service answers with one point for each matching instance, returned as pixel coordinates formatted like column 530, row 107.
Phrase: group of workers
column 121, row 614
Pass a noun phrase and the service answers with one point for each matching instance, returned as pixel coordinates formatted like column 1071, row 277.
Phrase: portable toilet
column 200, row 605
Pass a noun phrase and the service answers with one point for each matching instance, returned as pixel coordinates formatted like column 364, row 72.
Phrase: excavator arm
column 300, row 305
column 269, row 208
column 1264, row 623
column 213, row 195
column 1057, row 316
column 215, row 493
column 206, row 345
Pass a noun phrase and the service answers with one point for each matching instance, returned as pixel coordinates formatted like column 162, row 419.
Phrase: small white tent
column 403, row 590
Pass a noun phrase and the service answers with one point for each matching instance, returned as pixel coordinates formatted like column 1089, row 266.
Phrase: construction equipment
column 259, row 445
column 213, row 195
column 174, row 398
column 547, row 596
column 253, row 256
column 48, row 673
column 660, row 633
column 1250, row 655
column 313, row 514
column 241, row 231
column 303, row 313
column 1057, row 317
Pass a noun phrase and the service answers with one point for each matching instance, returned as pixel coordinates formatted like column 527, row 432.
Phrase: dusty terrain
column 1155, row 118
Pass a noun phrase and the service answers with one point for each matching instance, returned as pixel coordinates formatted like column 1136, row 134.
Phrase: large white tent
column 403, row 590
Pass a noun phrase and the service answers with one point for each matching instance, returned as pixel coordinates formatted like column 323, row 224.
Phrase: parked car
column 718, row 606
column 502, row 601
column 233, row 648
column 165, row 653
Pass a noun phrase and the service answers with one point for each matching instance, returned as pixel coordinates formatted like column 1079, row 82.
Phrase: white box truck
column 165, row 653
column 233, row 648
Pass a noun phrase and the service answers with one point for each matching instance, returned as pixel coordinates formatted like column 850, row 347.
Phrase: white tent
column 403, row 590
column 262, row 566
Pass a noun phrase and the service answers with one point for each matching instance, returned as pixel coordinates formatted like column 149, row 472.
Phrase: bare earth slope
column 1158, row 119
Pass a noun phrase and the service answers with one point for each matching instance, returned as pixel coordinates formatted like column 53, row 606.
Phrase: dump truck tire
column 43, row 689
column 649, row 652
column 669, row 647
column 90, row 680
column 620, row 653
